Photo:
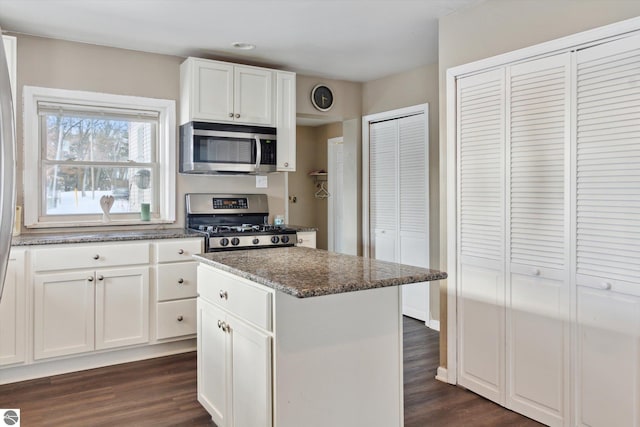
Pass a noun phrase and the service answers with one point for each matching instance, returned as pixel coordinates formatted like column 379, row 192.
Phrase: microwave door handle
column 258, row 152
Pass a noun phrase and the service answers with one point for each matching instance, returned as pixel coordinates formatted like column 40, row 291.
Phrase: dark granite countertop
column 100, row 236
column 301, row 227
column 305, row 272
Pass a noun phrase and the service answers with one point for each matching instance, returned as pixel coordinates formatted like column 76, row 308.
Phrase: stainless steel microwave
column 223, row 148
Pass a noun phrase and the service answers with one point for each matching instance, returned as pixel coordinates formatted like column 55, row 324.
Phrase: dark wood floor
column 162, row 392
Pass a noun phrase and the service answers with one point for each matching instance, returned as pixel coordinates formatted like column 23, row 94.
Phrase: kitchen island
column 291, row 337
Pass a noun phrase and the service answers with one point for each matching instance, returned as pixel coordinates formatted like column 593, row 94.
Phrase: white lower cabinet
column 87, row 310
column 13, row 312
column 234, row 369
column 266, row 358
column 307, row 239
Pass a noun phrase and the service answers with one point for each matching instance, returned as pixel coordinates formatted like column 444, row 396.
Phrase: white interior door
column 399, row 199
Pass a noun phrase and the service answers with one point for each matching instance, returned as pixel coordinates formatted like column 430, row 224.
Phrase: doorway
column 336, row 203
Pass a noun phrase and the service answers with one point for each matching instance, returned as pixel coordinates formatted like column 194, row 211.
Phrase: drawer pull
column 180, row 318
column 96, row 256
column 181, row 251
column 224, row 295
column 90, row 278
column 100, row 277
column 181, row 281
column 606, row 286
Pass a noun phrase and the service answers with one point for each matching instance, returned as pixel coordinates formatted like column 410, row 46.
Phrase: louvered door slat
column 608, row 163
column 481, row 136
column 538, row 135
column 383, row 175
column 413, row 174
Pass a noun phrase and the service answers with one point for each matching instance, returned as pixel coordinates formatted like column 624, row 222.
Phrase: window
column 80, row 146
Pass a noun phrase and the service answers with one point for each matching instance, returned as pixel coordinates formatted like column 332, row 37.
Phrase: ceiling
column 354, row 40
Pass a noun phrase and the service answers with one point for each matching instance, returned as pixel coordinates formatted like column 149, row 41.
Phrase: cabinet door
column 211, row 91
column 63, row 313
column 608, row 358
column 481, row 281
column 286, row 121
column 250, row 375
column 538, row 301
column 213, row 363
column 122, row 307
column 13, row 312
column 253, row 96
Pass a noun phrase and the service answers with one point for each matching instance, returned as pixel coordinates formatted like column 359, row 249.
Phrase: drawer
column 176, row 281
column 178, row 249
column 176, row 318
column 239, row 296
column 69, row 257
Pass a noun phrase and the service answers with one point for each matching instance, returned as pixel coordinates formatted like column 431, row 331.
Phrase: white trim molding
column 166, row 152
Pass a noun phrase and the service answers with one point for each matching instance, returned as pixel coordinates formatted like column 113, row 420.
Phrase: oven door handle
column 258, row 152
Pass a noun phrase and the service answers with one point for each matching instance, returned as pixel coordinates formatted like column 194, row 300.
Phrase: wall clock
column 322, row 97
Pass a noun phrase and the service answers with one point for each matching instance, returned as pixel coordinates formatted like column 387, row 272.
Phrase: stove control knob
column 256, row 241
column 235, row 241
column 275, row 239
column 285, row 239
column 224, row 241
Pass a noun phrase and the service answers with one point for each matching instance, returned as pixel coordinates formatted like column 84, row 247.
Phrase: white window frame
column 166, row 150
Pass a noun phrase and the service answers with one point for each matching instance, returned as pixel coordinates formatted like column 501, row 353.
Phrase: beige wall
column 405, row 89
column 77, row 66
column 311, row 154
column 498, row 26
column 347, row 99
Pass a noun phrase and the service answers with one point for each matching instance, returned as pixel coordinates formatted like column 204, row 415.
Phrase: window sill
column 112, row 223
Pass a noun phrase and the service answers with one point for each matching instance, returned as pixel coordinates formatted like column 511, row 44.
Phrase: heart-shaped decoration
column 106, row 202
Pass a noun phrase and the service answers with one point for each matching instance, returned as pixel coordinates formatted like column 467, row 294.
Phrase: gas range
column 235, row 221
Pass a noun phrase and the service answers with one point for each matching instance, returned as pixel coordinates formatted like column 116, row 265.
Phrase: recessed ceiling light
column 243, row 45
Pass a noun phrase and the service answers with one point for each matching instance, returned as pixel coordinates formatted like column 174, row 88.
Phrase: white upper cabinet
column 222, row 92
column 286, row 121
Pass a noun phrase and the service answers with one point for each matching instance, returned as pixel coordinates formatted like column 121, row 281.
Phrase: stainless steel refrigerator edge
column 7, row 165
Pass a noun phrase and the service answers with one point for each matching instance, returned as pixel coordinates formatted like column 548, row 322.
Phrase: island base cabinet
column 234, row 369
column 338, row 360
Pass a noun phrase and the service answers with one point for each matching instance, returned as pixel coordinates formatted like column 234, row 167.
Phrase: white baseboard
column 443, row 375
column 433, row 324
column 414, row 314
column 94, row 360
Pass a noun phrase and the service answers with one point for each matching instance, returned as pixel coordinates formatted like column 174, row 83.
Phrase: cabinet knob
column 181, row 281
column 606, row 286
column 219, row 323
column 237, row 116
column 286, row 164
column 230, row 114
column 181, row 251
column 223, row 294
column 90, row 278
column 100, row 277
column 299, row 240
column 180, row 318
column 96, row 256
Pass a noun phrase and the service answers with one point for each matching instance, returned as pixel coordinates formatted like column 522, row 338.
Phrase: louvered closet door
column 414, row 209
column 538, row 303
column 608, row 234
column 383, row 195
column 481, row 316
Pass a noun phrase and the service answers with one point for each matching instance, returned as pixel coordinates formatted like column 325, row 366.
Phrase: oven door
column 224, row 151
